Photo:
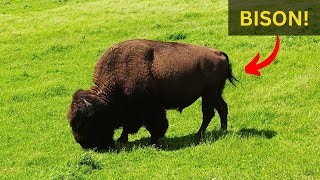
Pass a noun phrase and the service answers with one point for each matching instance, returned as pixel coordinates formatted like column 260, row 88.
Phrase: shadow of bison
column 137, row 80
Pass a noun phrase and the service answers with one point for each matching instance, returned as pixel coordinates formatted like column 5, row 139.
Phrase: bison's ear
column 90, row 108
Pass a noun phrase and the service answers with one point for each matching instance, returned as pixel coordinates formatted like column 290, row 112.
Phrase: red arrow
column 253, row 67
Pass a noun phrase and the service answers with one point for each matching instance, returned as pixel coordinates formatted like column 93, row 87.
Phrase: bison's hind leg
column 208, row 102
column 222, row 108
column 157, row 125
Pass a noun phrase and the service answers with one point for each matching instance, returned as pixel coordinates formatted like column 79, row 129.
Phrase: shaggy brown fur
column 137, row 80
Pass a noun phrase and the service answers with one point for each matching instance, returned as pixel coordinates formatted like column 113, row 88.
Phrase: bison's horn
column 90, row 108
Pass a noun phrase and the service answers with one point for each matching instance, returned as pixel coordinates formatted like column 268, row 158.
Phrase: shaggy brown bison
column 137, row 80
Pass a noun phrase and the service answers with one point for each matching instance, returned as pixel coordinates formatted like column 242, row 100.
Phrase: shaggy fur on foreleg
column 157, row 125
column 124, row 136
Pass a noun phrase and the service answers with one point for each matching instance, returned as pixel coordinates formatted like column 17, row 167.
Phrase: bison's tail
column 230, row 76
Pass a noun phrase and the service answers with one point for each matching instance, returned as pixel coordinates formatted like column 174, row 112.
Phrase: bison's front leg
column 124, row 136
column 129, row 128
column 157, row 125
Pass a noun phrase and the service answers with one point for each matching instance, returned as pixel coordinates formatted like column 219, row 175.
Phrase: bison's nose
column 86, row 146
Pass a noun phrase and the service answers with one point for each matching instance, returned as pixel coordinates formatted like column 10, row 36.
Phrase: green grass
column 48, row 49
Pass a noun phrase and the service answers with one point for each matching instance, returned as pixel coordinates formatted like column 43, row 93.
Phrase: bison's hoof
column 224, row 127
column 123, row 140
column 200, row 136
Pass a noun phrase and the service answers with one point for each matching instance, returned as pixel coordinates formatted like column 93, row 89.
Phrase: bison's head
column 89, row 122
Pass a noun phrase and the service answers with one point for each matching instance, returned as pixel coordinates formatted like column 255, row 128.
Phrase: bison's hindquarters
column 216, row 73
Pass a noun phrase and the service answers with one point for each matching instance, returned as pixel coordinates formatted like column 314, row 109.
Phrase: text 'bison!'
column 137, row 80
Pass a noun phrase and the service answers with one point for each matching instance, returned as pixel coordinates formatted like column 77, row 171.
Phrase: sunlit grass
column 49, row 49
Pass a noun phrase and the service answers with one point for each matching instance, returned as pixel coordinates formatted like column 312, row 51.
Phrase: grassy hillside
column 49, row 48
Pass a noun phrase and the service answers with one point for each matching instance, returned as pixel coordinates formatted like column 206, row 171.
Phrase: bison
column 136, row 81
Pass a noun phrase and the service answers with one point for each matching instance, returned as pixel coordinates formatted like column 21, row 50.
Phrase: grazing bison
column 137, row 80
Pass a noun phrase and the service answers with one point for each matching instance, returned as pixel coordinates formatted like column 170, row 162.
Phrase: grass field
column 48, row 49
